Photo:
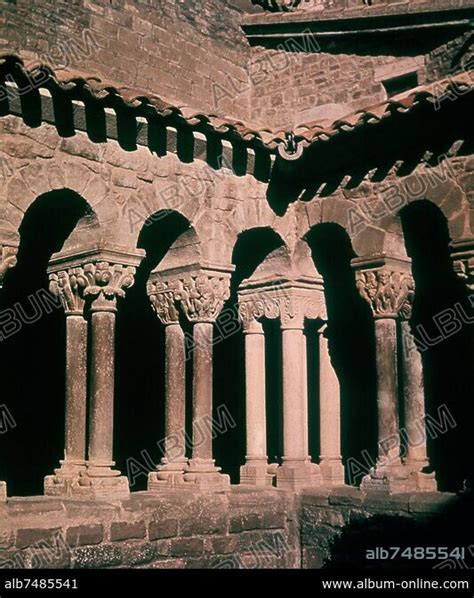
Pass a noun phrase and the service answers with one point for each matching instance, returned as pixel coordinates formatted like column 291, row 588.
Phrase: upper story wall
column 328, row 58
column 178, row 49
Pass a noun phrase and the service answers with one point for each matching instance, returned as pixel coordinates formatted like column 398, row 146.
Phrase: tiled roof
column 83, row 86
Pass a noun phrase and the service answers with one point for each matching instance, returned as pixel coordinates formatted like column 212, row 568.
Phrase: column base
column 257, row 472
column 294, row 475
column 204, row 475
column 332, row 472
column 65, row 480
column 167, row 474
column 99, row 479
column 397, row 478
column 419, row 480
column 3, row 492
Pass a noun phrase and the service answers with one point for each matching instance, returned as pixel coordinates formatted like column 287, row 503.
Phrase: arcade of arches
column 316, row 341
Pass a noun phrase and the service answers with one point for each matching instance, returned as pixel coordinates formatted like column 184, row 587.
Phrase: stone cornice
column 292, row 20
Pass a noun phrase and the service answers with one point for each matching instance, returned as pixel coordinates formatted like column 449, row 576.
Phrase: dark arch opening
column 33, row 355
column 250, row 250
column 351, row 345
column 140, row 358
column 447, row 349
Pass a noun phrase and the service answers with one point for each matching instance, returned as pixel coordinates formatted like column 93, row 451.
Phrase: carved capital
column 105, row 281
column 7, row 260
column 202, row 296
column 69, row 286
column 389, row 292
column 290, row 304
column 162, row 298
column 464, row 268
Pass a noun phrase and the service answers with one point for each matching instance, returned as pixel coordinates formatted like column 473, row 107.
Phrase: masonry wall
column 239, row 529
column 177, row 49
column 341, row 528
column 303, row 83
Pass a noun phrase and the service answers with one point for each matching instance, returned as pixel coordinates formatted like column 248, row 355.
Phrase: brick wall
column 175, row 48
column 239, row 529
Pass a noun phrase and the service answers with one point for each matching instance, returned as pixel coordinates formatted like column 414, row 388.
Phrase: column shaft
column 387, row 390
column 414, row 399
column 76, row 388
column 202, row 390
column 294, row 397
column 332, row 469
column 255, row 394
column 175, row 391
column 102, row 392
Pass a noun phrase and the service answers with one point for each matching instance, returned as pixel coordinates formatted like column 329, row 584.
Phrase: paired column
column 7, row 261
column 66, row 477
column 330, row 462
column 416, row 457
column 200, row 296
column 98, row 285
column 390, row 292
column 255, row 470
column 170, row 472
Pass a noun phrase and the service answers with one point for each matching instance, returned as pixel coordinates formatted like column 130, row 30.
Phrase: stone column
column 255, row 470
column 332, row 469
column 170, row 472
column 104, row 283
column 387, row 292
column 296, row 471
column 7, row 261
column 202, row 297
column 65, row 481
column 416, row 458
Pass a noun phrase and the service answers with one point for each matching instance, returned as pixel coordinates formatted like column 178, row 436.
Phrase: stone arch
column 433, row 186
column 170, row 241
column 441, row 311
column 38, row 179
column 351, row 344
column 56, row 220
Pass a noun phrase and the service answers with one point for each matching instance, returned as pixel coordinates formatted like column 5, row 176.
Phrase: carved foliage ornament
column 292, row 309
column 101, row 280
column 388, row 292
column 201, row 297
column 107, row 280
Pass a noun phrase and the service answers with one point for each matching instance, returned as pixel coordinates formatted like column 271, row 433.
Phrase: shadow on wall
column 351, row 343
column 440, row 318
column 445, row 529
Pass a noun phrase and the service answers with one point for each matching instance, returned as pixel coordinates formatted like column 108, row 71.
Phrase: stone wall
column 239, row 529
column 340, row 528
column 176, row 49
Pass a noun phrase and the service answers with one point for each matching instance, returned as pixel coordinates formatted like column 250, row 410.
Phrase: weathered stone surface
column 28, row 537
column 96, row 557
column 158, row 530
column 124, row 530
column 82, row 535
column 187, row 547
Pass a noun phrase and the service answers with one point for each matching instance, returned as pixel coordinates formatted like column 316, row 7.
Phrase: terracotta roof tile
column 85, row 84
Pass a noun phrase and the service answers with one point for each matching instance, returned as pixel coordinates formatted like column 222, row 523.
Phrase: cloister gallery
column 216, row 301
